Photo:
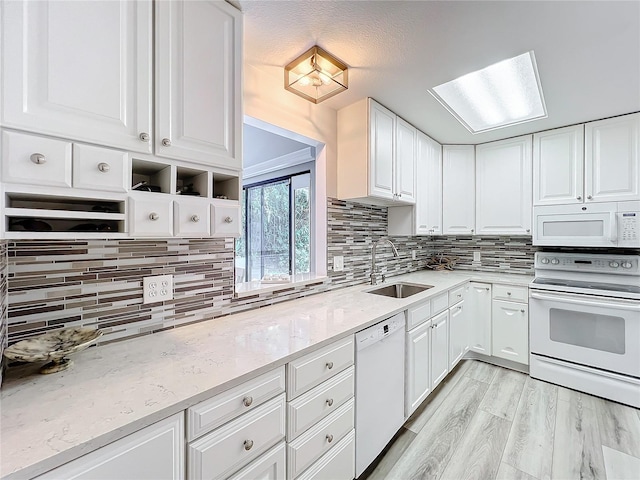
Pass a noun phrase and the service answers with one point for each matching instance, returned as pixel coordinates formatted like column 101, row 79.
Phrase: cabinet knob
column 459, row 295
column 329, row 365
column 522, row 311
column 248, row 444
column 154, row 216
column 144, row 137
column 589, row 197
column 579, row 197
column 195, row 218
column 487, row 289
column 508, row 293
column 528, row 230
column 472, row 230
column 330, row 402
column 228, row 220
column 166, row 142
column 38, row 158
column 329, row 438
column 104, row 167
column 247, row 401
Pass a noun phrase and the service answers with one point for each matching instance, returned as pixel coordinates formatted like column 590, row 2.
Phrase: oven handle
column 575, row 301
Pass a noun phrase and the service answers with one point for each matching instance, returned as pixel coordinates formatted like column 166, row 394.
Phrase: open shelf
column 149, row 176
column 192, row 182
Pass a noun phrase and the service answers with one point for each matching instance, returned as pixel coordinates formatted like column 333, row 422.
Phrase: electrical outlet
column 157, row 289
column 414, row 254
column 338, row 263
column 476, row 256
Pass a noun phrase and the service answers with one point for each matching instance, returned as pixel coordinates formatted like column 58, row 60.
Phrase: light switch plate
column 338, row 263
column 157, row 288
column 476, row 256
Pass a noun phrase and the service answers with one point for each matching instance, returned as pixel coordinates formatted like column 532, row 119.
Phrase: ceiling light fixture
column 316, row 75
column 500, row 95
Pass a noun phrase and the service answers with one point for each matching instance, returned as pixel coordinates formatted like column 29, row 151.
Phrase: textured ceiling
column 588, row 52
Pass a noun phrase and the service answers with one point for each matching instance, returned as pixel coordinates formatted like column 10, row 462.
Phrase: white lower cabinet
column 511, row 331
column 339, row 463
column 478, row 305
column 154, row 453
column 418, row 367
column 439, row 348
column 190, row 217
column 150, row 215
column 270, row 466
column 458, row 333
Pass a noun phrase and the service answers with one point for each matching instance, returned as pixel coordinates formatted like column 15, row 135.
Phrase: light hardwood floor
column 485, row 422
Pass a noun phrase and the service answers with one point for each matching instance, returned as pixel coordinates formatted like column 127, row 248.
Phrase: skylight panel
column 503, row 94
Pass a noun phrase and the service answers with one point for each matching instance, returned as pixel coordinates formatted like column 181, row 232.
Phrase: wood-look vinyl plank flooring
column 513, row 428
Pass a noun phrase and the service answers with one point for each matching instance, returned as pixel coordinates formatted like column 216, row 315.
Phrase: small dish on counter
column 54, row 347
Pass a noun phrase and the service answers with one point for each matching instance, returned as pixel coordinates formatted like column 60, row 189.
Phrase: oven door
column 589, row 330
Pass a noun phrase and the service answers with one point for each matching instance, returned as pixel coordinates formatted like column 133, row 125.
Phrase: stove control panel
column 579, row 262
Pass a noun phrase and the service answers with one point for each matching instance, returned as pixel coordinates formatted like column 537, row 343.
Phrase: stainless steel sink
column 400, row 290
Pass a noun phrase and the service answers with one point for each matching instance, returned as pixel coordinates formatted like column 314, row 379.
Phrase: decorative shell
column 52, row 345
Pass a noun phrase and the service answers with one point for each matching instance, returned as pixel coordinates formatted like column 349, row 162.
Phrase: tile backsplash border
column 98, row 283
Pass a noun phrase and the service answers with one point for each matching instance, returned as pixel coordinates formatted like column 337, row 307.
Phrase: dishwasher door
column 379, row 387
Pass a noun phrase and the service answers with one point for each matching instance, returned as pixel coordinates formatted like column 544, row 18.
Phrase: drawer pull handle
column 247, row 401
column 195, row 218
column 166, row 142
column 248, row 445
column 154, row 216
column 228, row 220
column 38, row 158
column 329, row 438
column 329, row 365
column 330, row 402
column 104, row 167
column 144, row 137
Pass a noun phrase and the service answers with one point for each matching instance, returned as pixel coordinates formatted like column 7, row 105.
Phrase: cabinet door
column 439, row 348
column 511, row 331
column 81, row 70
column 503, row 187
column 458, row 333
column 612, row 159
column 405, row 161
column 428, row 186
column 558, row 159
column 382, row 126
column 225, row 220
column 458, row 189
column 270, row 466
column 417, row 383
column 198, row 88
column 191, row 217
column 154, row 453
column 478, row 305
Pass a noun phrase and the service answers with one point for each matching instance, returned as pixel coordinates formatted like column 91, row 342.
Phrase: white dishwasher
column 379, row 387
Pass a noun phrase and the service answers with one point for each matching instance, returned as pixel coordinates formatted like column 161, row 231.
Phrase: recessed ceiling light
column 503, row 94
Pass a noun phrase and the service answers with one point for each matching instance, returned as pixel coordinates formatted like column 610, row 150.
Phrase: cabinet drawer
column 225, row 220
column 318, row 402
column 207, row 415
column 96, row 168
column 314, row 368
column 270, row 466
column 418, row 315
column 338, row 464
column 456, row 295
column 237, row 443
column 150, row 215
column 35, row 160
column 439, row 303
column 310, row 446
column 510, row 293
column 191, row 217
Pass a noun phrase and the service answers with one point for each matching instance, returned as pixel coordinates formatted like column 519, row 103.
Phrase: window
column 276, row 226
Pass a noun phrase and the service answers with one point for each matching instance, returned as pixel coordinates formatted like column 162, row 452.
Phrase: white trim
column 284, row 161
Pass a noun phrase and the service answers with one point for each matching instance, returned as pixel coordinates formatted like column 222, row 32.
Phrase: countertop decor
column 54, row 347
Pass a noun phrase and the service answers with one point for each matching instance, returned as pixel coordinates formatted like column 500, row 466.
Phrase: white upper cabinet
column 381, row 144
column 458, row 189
column 612, row 159
column 198, row 82
column 80, row 70
column 503, row 187
column 376, row 155
column 558, row 166
column 405, row 180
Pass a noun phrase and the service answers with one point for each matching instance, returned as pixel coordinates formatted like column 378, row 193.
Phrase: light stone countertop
column 117, row 389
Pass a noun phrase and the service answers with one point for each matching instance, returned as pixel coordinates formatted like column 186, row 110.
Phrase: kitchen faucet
column 373, row 258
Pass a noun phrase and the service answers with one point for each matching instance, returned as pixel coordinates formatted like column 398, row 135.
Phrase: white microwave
column 609, row 224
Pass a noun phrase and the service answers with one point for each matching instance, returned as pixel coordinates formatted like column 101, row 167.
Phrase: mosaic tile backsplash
column 4, row 301
column 98, row 283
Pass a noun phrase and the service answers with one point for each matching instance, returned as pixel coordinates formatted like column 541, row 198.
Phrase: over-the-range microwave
column 607, row 224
